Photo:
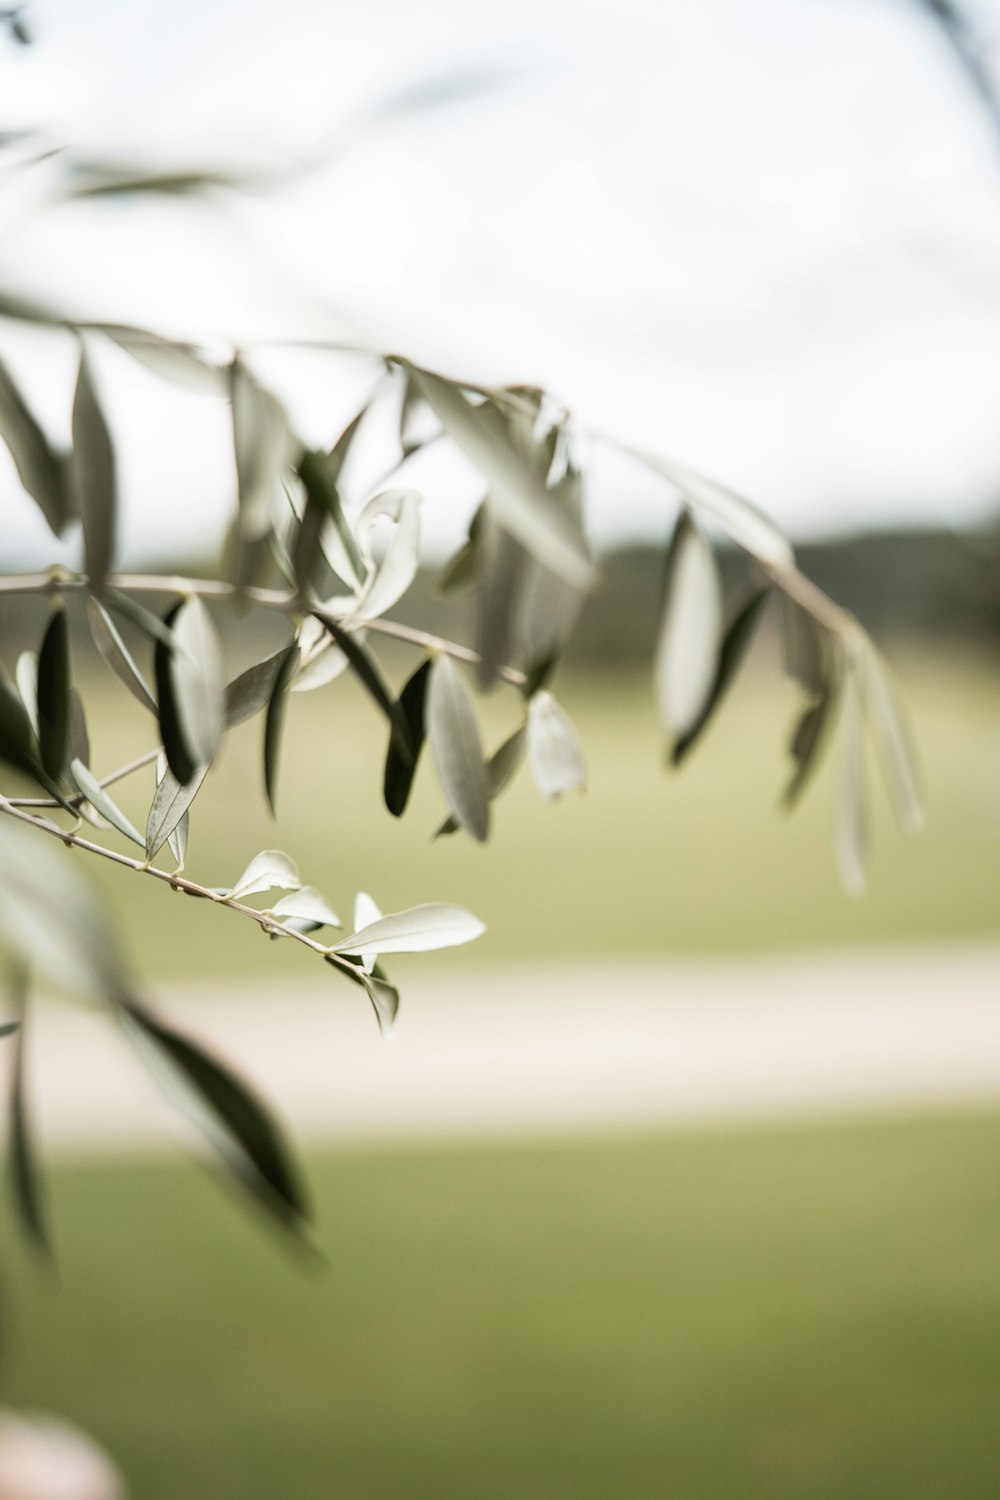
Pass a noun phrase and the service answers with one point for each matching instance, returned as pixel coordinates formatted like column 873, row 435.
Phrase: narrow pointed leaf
column 25, row 1177
column 251, row 691
column 179, row 363
column 109, row 643
column 26, row 677
column 94, row 476
column 852, row 821
column 236, row 1121
column 894, row 744
column 98, row 797
column 40, row 469
column 17, row 737
column 458, row 751
column 262, row 442
column 554, row 754
column 385, row 1002
column 420, row 929
column 391, row 578
column 270, row 870
column 190, row 683
column 274, row 723
column 329, row 664
column 170, row 808
column 8, row 1028
column 734, row 647
column 306, row 905
column 741, row 519
column 79, row 739
column 366, row 911
column 53, row 695
column 500, row 771
column 517, row 495
column 399, row 772
column 319, row 473
column 687, row 652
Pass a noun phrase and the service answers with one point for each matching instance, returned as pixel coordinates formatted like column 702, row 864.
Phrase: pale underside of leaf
column 740, row 518
column 458, row 754
column 270, row 870
column 691, row 628
column 853, row 818
column 420, row 929
column 554, row 754
column 169, row 809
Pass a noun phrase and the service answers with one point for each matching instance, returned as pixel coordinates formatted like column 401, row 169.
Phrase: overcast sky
column 761, row 236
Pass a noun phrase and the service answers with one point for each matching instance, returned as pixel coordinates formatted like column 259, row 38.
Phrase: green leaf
column 504, row 568
column 306, row 905
column 93, row 464
column 235, row 1120
column 275, row 721
column 53, row 695
column 190, row 684
column 251, row 691
column 500, row 771
column 263, row 444
column 419, row 929
column 687, row 651
column 50, row 918
column 109, row 643
column 734, row 647
column 25, row 1178
column 399, row 771
column 177, row 362
column 40, row 469
column 517, row 495
column 79, row 739
column 17, row 737
column 385, row 1001
column 170, row 809
column 748, row 526
column 8, row 1028
column 308, row 559
column 365, row 668
column 554, row 754
column 458, row 753
column 270, row 870
column 852, row 821
column 319, row 473
column 99, row 798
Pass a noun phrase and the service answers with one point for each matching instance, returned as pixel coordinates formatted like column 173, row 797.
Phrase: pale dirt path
column 549, row 1052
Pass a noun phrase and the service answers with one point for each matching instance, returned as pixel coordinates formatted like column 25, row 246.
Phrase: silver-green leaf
column 458, row 753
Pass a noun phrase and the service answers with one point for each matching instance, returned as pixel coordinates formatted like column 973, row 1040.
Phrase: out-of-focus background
column 683, row 1179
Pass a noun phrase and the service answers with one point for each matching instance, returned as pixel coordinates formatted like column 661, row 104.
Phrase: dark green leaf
column 239, row 1125
column 8, row 1028
column 40, row 469
column 247, row 694
column 365, row 668
column 17, row 738
column 274, row 722
column 308, row 560
column 399, row 772
column 809, row 739
column 25, row 1180
column 734, row 646
column 94, row 473
column 454, row 735
column 53, row 695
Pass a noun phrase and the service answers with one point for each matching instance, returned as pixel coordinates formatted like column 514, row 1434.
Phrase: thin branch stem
column 176, row 882
column 134, row 765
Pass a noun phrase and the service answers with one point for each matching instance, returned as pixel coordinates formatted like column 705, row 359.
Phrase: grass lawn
column 648, row 861
column 774, row 1314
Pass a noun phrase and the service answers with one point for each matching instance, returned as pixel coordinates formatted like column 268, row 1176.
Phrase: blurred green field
column 774, row 1314
column 648, row 862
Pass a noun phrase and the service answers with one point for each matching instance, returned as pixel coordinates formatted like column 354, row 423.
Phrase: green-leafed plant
column 297, row 551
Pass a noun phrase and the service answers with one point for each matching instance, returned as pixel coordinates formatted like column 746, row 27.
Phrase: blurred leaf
column 262, row 442
column 274, row 723
column 327, row 665
column 190, row 684
column 385, row 1002
column 53, row 695
column 389, row 581
column 251, row 691
column 17, row 737
column 169, row 811
column 79, row 739
column 554, row 754
column 40, row 469
column 235, row 1120
column 410, row 426
column 99, row 798
column 399, row 771
column 319, row 473
column 179, row 363
column 365, row 668
column 687, row 652
column 454, row 736
column 852, row 821
column 151, row 625
column 734, row 647
column 307, row 905
column 366, row 912
column 808, row 648
column 307, row 555
column 117, row 655
column 420, row 929
column 25, row 1177
column 516, row 494
column 26, row 677
column 93, row 464
column 8, row 1028
column 894, row 744
column 50, row 918
column 747, row 525
column 269, row 870
column 500, row 771
column 503, row 565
